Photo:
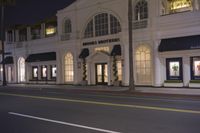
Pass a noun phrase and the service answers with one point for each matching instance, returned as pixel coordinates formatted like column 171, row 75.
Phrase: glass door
column 101, row 74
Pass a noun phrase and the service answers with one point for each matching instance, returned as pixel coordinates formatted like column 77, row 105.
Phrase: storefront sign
column 101, row 41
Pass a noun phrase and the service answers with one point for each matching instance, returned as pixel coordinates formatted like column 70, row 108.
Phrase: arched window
column 141, row 10
column 21, row 69
column 114, row 25
column 143, row 65
column 102, row 24
column 89, row 30
column 67, row 26
column 69, row 68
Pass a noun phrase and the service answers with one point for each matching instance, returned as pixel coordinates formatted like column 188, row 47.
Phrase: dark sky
column 32, row 11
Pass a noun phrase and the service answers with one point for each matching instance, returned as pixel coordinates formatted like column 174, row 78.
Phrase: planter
column 194, row 85
column 173, row 83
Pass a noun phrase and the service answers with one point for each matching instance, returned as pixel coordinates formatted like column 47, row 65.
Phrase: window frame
column 53, row 77
column 192, row 69
column 180, row 74
column 43, row 77
column 33, row 68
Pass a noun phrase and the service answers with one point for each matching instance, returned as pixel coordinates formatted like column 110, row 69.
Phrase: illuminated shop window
column 119, row 70
column 174, row 68
column 102, row 49
column 195, row 68
column 175, row 6
column 53, row 71
column 180, row 4
column 143, row 65
column 69, row 68
column 35, row 72
column 44, row 71
column 50, row 30
column 21, row 69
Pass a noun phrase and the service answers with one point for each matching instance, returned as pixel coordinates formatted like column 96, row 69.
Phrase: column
column 186, row 70
column 157, row 66
column 125, row 65
column 29, row 37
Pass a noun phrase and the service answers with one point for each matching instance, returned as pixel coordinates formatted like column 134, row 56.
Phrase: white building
column 89, row 42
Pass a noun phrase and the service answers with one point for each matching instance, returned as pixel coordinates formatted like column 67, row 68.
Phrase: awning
column 84, row 53
column 116, row 50
column 50, row 56
column 8, row 60
column 180, row 43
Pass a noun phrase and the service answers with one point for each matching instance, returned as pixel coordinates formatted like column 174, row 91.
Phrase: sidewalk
column 142, row 90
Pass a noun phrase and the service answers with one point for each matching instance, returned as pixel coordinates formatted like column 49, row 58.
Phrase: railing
column 139, row 24
column 65, row 36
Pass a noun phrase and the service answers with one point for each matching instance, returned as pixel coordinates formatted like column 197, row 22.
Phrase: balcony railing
column 139, row 24
column 65, row 36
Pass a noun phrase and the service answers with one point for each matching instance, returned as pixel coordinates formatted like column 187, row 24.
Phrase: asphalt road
column 25, row 110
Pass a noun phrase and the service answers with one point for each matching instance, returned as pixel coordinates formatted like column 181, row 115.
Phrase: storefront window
column 143, row 65
column 44, row 72
column 35, row 72
column 53, row 71
column 174, row 68
column 69, row 68
column 175, row 6
column 195, row 68
column 119, row 70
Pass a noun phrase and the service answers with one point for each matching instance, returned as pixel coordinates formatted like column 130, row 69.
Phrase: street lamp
column 131, row 72
column 3, row 3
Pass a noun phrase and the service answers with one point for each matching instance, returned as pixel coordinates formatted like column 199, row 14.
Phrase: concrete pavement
column 150, row 90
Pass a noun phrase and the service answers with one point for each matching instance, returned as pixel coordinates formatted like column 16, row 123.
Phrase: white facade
column 98, row 26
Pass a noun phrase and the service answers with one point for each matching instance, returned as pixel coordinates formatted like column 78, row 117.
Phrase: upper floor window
column 102, row 24
column 51, row 30
column 174, row 6
column 10, row 36
column 67, row 26
column 23, row 34
column 141, row 10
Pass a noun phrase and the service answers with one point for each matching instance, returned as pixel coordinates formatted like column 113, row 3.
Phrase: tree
column 131, row 73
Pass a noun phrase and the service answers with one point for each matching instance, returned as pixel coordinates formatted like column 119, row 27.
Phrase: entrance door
column 101, row 74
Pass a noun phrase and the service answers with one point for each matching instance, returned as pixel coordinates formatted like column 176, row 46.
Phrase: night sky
column 32, row 11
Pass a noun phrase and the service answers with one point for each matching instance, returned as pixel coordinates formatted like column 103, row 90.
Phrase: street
column 25, row 110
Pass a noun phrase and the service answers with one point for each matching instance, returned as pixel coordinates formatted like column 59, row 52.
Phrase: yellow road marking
column 106, row 104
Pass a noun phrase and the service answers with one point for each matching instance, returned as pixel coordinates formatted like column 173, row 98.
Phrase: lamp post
column 131, row 71
column 2, row 43
column 4, row 3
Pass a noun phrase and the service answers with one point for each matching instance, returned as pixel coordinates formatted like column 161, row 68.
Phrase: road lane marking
column 106, row 104
column 62, row 123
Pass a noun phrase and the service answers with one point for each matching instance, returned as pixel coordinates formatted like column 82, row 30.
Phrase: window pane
column 143, row 65
column 69, row 71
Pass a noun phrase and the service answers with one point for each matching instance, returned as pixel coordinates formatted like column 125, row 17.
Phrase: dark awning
column 8, row 60
column 116, row 50
column 50, row 56
column 180, row 43
column 84, row 53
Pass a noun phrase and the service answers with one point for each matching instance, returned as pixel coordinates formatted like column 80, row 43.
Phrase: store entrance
column 101, row 73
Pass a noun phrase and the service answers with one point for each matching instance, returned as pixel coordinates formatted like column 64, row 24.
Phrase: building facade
column 87, row 43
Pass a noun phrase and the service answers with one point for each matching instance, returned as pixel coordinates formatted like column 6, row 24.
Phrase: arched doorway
column 69, row 68
column 21, row 70
column 143, row 65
